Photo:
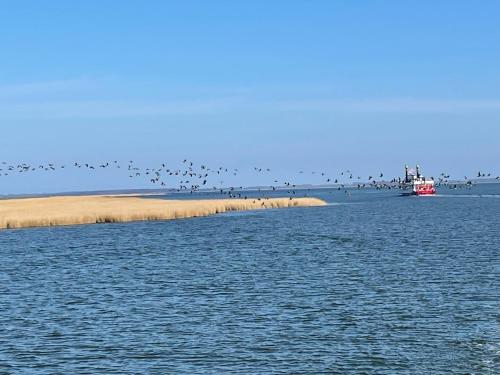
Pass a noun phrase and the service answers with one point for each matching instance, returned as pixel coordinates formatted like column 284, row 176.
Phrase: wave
column 468, row 195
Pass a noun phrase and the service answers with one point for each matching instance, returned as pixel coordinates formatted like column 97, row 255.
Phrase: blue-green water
column 372, row 283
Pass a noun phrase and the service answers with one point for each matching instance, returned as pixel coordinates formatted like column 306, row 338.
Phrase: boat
column 416, row 184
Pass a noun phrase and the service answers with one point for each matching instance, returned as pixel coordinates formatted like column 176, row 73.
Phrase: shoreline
column 95, row 209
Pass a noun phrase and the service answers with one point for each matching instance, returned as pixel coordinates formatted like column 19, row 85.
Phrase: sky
column 288, row 85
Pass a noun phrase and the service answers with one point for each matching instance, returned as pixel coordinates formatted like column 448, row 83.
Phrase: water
column 373, row 283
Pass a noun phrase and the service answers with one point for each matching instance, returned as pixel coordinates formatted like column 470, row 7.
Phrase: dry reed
column 73, row 210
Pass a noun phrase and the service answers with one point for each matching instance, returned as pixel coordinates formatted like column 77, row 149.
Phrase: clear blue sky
column 318, row 85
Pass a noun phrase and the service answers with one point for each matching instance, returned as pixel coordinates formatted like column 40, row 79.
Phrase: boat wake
column 468, row 195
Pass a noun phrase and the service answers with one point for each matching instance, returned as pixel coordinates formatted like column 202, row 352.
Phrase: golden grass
column 53, row 211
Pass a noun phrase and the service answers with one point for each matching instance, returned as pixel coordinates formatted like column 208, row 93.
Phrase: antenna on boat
column 418, row 171
column 406, row 173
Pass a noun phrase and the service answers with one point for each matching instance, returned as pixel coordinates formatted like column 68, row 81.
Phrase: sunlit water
column 372, row 283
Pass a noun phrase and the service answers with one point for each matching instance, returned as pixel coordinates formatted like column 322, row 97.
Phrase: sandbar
column 74, row 210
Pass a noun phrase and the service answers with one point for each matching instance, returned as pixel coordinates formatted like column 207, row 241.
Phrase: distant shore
column 91, row 209
column 175, row 192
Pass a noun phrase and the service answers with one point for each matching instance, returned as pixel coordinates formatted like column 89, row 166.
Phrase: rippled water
column 373, row 283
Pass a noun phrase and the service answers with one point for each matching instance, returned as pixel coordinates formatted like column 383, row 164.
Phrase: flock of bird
column 191, row 177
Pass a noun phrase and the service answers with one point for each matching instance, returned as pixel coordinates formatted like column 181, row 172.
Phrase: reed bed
column 74, row 210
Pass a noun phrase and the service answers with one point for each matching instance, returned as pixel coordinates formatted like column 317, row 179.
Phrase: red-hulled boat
column 416, row 184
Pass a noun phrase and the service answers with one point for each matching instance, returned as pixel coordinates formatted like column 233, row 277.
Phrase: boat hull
column 414, row 193
column 425, row 189
column 432, row 192
column 419, row 190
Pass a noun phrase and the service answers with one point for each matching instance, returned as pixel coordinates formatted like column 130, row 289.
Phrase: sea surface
column 372, row 283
